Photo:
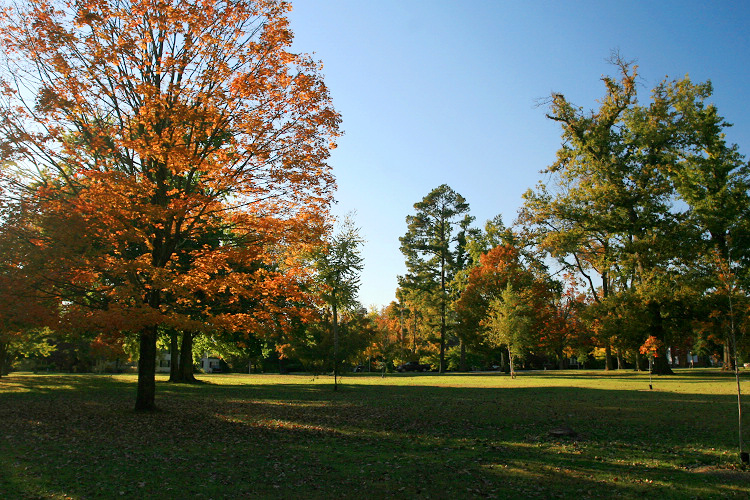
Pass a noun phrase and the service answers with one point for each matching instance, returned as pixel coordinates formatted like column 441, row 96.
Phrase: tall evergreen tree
column 430, row 246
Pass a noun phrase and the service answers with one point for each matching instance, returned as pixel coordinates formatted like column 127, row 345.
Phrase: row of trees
column 645, row 217
column 164, row 178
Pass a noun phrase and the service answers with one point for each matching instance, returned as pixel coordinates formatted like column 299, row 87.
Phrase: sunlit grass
column 402, row 435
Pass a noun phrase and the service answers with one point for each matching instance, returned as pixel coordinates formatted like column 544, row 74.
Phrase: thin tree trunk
column 442, row 309
column 335, row 345
column 463, row 356
column 414, row 334
column 442, row 337
column 510, row 359
column 620, row 360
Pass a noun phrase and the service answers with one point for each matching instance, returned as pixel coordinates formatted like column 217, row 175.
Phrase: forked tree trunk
column 504, row 367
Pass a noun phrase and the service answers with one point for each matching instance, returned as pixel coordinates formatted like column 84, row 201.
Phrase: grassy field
column 402, row 436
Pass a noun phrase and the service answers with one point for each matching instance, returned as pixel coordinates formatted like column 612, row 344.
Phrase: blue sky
column 445, row 92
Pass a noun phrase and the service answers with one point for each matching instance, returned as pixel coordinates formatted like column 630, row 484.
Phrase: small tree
column 338, row 265
column 651, row 349
column 728, row 281
column 509, row 323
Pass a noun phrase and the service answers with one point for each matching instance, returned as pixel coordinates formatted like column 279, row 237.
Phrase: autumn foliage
column 176, row 151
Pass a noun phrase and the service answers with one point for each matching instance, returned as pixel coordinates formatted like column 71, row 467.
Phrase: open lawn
column 402, row 436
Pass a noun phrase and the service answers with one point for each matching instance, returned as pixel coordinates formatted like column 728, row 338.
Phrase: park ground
column 552, row 434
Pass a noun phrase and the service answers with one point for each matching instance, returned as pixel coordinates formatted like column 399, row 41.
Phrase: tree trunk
column 682, row 357
column 186, row 373
column 608, row 357
column 443, row 300
column 728, row 364
column 3, row 358
column 504, row 367
column 442, row 338
column 335, row 345
column 561, row 359
column 146, row 392
column 174, row 355
column 620, row 360
column 637, row 361
column 462, row 364
column 661, row 365
column 510, row 358
column 414, row 334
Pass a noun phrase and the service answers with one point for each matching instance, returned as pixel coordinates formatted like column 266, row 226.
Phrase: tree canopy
column 171, row 142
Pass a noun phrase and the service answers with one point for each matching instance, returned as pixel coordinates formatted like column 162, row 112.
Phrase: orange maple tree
column 562, row 331
column 499, row 268
column 24, row 310
column 180, row 148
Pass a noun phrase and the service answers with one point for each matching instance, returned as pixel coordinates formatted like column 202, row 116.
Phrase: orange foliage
column 181, row 150
column 499, row 267
column 160, row 141
column 652, row 346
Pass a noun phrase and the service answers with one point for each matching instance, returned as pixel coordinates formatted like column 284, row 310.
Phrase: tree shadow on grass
column 297, row 440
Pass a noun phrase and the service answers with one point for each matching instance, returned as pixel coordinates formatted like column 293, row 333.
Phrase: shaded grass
column 424, row 436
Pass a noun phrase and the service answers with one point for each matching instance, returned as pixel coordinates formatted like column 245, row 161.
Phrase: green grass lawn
column 402, row 436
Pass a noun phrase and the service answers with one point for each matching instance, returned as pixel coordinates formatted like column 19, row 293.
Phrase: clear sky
column 445, row 92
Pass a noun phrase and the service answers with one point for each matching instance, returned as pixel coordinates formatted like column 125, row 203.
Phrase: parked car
column 413, row 366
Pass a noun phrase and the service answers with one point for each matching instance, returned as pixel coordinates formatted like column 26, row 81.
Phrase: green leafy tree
column 509, row 324
column 614, row 216
column 338, row 264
